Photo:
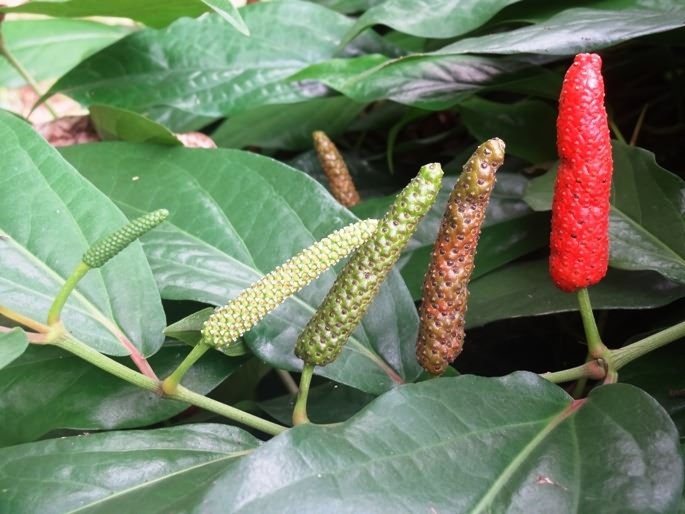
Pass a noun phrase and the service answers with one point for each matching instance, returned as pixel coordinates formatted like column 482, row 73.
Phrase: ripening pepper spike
column 579, row 242
column 358, row 283
column 339, row 179
column 239, row 315
column 109, row 246
column 445, row 287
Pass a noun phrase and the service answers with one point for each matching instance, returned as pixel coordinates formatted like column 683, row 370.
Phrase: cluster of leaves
column 397, row 83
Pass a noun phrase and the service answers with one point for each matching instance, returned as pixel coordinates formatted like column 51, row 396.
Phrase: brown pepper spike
column 339, row 178
column 445, row 292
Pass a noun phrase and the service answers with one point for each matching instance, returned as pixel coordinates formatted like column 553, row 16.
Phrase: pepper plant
column 212, row 330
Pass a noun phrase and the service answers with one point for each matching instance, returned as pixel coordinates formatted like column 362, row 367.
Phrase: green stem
column 170, row 383
column 24, row 320
column 593, row 369
column 581, row 383
column 5, row 52
column 300, row 410
column 596, row 348
column 68, row 343
column 58, row 303
column 288, row 381
column 185, row 395
column 629, row 353
column 80, row 349
column 617, row 132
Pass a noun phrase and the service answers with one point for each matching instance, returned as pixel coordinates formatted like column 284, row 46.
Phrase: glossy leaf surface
column 61, row 214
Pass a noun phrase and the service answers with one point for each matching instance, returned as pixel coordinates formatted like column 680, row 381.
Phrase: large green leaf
column 47, row 388
column 49, row 216
column 660, row 373
column 526, row 289
column 288, row 126
column 12, row 345
column 235, row 216
column 528, row 127
column 461, row 445
column 647, row 220
column 433, row 82
column 204, row 67
column 48, row 48
column 430, row 18
column 167, row 466
column 155, row 13
column 575, row 30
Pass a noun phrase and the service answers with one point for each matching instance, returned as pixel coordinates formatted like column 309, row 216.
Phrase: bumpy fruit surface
column 445, row 287
column 359, row 281
column 339, row 179
column 103, row 250
column 232, row 320
column 579, row 240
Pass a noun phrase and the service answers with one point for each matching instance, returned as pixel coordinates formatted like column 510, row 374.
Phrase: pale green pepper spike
column 232, row 320
column 361, row 278
column 104, row 249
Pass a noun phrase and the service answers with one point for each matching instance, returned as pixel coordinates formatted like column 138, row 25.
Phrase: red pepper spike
column 580, row 209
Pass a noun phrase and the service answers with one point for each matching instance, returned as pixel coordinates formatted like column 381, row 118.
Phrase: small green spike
column 104, row 249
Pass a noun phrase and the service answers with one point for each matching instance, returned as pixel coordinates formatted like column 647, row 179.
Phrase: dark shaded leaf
column 288, row 126
column 527, row 290
column 47, row 388
column 91, row 472
column 647, row 219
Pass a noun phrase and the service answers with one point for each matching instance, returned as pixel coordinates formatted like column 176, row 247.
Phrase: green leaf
column 235, row 216
column 288, row 126
column 47, row 389
column 427, row 81
column 205, row 67
column 525, row 289
column 431, row 19
column 49, row 48
column 660, row 373
column 12, row 345
column 113, row 123
column 573, row 31
column 228, row 12
column 461, row 445
column 146, row 470
column 647, row 220
column 528, row 126
column 348, row 6
column 50, row 215
column 154, row 13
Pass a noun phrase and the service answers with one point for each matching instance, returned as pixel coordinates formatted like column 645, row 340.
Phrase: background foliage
column 396, row 83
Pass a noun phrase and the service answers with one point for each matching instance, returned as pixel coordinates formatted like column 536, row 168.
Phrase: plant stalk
column 596, row 347
column 170, row 383
column 188, row 396
column 23, row 320
column 300, row 411
column 594, row 369
column 623, row 356
column 69, row 285
column 80, row 349
column 25, row 74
